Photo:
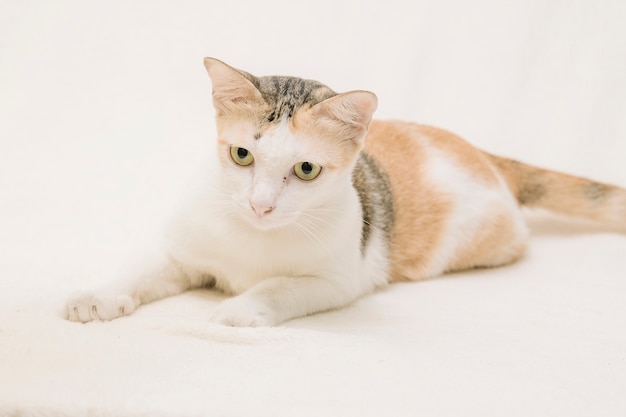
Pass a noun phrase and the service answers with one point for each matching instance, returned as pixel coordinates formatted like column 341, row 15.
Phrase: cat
column 312, row 204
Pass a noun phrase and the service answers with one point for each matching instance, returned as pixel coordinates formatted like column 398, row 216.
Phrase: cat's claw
column 243, row 312
column 86, row 307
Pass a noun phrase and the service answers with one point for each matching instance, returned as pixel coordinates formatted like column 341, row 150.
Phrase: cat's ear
column 232, row 89
column 350, row 112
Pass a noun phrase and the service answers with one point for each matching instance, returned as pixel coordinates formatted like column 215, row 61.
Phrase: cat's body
column 311, row 206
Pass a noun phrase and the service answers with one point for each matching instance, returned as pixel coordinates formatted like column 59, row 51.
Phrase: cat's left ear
column 350, row 112
column 232, row 89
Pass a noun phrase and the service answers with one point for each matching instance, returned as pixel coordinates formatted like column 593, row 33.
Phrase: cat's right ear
column 232, row 89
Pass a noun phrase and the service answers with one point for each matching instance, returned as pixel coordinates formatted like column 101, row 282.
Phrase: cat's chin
column 268, row 223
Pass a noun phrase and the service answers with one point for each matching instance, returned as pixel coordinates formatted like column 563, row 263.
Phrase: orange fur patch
column 422, row 209
column 497, row 243
column 421, row 212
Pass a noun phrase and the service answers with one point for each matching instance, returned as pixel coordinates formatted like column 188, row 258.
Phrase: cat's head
column 286, row 145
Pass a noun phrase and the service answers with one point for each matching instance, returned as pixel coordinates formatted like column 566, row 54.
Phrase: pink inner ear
column 354, row 108
column 364, row 104
column 344, row 117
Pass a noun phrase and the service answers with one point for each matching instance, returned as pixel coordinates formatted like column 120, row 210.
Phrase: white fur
column 302, row 257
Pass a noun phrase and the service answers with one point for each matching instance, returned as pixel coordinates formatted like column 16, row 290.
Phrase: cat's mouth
column 270, row 219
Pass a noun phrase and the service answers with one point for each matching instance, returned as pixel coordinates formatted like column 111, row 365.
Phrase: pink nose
column 261, row 209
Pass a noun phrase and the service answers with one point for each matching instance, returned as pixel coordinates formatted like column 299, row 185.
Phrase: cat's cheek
column 244, row 311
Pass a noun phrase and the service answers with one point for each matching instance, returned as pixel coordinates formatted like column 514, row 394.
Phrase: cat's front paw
column 242, row 311
column 86, row 307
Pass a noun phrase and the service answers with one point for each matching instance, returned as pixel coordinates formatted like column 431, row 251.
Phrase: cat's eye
column 307, row 171
column 241, row 156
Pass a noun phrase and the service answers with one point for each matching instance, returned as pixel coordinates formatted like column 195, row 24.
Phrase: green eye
column 241, row 156
column 307, row 171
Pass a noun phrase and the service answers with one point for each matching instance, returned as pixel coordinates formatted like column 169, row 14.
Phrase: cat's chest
column 240, row 259
column 237, row 267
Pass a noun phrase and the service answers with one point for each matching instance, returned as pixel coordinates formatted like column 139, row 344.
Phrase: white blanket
column 105, row 112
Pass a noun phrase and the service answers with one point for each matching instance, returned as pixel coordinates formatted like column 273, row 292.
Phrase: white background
column 105, row 114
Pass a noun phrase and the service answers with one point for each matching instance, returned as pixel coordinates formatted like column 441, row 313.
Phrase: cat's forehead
column 273, row 139
column 284, row 95
column 280, row 143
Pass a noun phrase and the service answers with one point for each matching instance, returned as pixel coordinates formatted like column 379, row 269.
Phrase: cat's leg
column 276, row 300
column 500, row 240
column 155, row 277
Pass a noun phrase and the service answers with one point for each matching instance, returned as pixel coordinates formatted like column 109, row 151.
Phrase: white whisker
column 312, row 231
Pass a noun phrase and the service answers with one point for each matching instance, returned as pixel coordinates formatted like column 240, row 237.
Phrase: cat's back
column 412, row 154
column 404, row 148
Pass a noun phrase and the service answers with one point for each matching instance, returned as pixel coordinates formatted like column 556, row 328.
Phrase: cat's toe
column 87, row 307
column 242, row 312
column 77, row 308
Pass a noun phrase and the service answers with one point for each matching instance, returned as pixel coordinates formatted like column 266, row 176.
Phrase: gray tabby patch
column 372, row 186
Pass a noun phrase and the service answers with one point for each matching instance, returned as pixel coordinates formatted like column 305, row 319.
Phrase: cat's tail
column 564, row 194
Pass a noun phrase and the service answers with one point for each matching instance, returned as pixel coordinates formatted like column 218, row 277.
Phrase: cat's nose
column 261, row 209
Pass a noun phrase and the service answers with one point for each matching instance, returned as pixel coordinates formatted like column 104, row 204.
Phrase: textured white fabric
column 105, row 110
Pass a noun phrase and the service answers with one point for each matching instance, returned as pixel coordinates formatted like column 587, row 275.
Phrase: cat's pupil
column 242, row 153
column 307, row 168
